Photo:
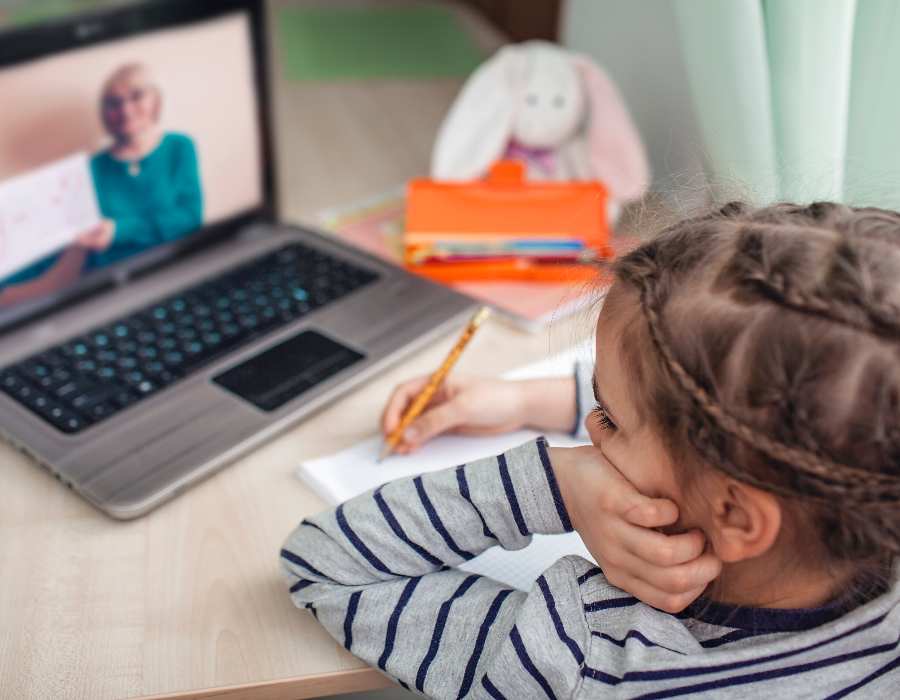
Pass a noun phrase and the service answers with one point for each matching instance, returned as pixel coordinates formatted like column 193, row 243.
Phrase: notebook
column 343, row 475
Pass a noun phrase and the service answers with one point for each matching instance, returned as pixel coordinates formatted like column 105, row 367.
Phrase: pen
column 434, row 382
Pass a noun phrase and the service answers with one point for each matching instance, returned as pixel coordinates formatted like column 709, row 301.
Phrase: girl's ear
column 745, row 521
column 615, row 151
column 477, row 128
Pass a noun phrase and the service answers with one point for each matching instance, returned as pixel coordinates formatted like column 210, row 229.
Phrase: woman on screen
column 148, row 182
column 148, row 189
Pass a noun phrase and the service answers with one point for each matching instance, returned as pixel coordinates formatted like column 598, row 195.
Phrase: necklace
column 134, row 168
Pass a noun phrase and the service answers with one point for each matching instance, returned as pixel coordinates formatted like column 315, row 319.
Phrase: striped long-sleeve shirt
column 378, row 572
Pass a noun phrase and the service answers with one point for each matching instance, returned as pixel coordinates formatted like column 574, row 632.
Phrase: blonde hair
column 129, row 70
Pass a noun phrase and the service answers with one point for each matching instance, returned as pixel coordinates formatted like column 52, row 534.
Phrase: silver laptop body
column 142, row 455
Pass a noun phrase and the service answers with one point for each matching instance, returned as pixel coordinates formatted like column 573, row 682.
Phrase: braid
column 832, row 477
column 840, row 297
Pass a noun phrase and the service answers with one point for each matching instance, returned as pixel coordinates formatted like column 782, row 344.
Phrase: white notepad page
column 44, row 210
column 353, row 471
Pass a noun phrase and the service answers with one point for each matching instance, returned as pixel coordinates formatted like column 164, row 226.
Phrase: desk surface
column 189, row 598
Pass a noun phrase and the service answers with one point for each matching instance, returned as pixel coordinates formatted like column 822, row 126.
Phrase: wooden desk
column 188, row 601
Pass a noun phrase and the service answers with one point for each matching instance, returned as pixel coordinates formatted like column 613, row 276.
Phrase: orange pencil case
column 505, row 228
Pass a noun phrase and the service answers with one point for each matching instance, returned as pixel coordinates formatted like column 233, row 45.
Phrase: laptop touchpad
column 281, row 373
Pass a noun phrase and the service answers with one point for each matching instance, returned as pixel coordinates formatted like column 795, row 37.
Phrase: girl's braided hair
column 777, row 358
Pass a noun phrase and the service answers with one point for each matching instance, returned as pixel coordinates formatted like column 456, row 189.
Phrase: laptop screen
column 112, row 153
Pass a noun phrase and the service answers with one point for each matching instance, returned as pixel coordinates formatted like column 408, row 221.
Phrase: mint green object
column 810, row 44
column 725, row 55
column 872, row 172
column 796, row 99
column 347, row 43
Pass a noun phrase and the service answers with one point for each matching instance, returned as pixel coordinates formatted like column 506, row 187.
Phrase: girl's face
column 626, row 439
column 130, row 105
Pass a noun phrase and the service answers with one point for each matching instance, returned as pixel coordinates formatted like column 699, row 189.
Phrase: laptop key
column 101, row 410
column 87, row 400
column 86, row 366
column 157, row 372
column 71, row 389
column 106, row 373
column 9, row 382
column 173, row 359
column 121, row 330
column 61, row 375
column 24, row 393
column 37, row 370
column 39, row 402
column 146, row 387
column 51, row 358
column 124, row 399
column 127, row 347
column 127, row 363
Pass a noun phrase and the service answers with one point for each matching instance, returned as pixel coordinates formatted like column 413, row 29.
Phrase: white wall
column 636, row 42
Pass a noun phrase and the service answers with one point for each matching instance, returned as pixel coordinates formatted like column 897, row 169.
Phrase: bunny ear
column 615, row 151
column 477, row 128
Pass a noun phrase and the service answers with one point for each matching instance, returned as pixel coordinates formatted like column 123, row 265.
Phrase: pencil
column 434, row 382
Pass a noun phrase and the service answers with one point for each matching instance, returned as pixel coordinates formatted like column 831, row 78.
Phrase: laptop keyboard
column 93, row 376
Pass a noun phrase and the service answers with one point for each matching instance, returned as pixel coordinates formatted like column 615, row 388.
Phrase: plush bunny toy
column 555, row 110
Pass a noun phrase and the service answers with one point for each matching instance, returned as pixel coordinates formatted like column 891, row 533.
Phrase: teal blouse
column 161, row 203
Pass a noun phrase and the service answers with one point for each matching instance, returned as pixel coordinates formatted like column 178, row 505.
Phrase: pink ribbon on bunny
column 542, row 158
column 553, row 109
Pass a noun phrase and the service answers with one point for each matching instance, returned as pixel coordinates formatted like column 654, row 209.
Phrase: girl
column 747, row 372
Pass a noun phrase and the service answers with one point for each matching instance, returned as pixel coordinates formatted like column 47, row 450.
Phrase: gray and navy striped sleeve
column 378, row 572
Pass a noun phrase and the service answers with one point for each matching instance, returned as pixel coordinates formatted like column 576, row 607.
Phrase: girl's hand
column 463, row 404
column 98, row 238
column 617, row 523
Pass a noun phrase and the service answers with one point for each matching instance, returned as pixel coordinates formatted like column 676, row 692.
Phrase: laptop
column 155, row 320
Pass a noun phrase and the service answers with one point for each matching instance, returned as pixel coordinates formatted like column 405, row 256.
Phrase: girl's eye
column 602, row 418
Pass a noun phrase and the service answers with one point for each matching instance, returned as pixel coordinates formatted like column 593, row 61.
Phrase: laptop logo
column 88, row 30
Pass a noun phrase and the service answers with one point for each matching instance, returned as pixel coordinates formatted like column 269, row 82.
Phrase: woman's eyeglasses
column 117, row 102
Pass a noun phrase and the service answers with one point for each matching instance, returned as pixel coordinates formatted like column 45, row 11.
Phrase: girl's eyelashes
column 602, row 418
